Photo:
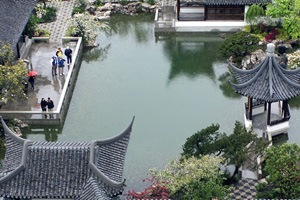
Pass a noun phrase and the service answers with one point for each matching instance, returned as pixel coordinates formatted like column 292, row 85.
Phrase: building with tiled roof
column 267, row 83
column 205, row 10
column 63, row 170
column 14, row 15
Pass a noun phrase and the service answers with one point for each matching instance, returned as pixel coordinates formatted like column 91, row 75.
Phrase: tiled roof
column 236, row 2
column 268, row 81
column 14, row 15
column 69, row 170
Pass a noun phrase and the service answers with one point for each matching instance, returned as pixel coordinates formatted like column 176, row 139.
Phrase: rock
column 106, row 7
column 250, row 61
column 91, row 9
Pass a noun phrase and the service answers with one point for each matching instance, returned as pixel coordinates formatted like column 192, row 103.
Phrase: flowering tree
column 87, row 27
column 12, row 76
column 294, row 60
column 193, row 178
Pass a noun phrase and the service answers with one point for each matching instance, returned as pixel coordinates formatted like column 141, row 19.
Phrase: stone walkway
column 59, row 27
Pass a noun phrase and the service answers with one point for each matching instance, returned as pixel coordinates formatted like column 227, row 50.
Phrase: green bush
column 79, row 7
column 151, row 2
column 50, row 15
column 238, row 45
column 31, row 26
column 98, row 3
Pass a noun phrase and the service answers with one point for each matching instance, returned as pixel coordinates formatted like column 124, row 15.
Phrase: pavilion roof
column 268, row 81
column 14, row 15
column 68, row 170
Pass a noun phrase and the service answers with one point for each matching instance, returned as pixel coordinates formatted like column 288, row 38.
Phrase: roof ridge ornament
column 270, row 50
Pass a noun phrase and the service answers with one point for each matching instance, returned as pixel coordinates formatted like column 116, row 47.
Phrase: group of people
column 58, row 61
column 47, row 104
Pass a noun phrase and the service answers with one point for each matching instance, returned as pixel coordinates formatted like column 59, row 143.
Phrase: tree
column 87, row 27
column 254, row 12
column 193, row 178
column 288, row 10
column 238, row 45
column 210, row 141
column 12, row 75
column 283, row 167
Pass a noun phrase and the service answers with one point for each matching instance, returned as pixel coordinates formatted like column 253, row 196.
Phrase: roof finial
column 270, row 49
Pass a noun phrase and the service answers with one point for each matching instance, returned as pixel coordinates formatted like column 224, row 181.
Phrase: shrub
column 239, row 45
column 151, row 2
column 154, row 191
column 79, row 7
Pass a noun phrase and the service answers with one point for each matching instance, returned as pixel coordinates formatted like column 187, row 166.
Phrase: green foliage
column 12, row 76
column 282, row 165
column 98, row 3
column 193, row 178
column 210, row 141
column 86, row 27
column 203, row 142
column 254, row 12
column 288, row 10
column 151, row 2
column 124, row 2
column 238, row 45
column 42, row 33
column 79, row 7
column 31, row 26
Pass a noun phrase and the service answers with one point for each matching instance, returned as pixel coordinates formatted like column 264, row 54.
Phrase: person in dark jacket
column 44, row 106
column 50, row 105
column 31, row 81
column 68, row 53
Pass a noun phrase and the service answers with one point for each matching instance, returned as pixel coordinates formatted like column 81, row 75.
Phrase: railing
column 38, row 117
column 278, row 121
column 255, row 104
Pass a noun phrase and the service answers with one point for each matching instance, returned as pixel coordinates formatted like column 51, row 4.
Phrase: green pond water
column 171, row 84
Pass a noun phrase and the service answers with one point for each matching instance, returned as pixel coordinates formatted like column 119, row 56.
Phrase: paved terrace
column 46, row 85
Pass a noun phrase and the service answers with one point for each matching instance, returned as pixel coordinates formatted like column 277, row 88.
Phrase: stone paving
column 58, row 28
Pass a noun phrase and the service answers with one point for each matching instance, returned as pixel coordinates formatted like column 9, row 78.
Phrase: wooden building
column 222, row 10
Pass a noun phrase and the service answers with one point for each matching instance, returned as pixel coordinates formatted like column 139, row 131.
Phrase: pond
column 171, row 84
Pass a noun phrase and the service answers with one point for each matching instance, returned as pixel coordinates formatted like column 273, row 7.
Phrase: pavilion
column 63, row 170
column 264, row 85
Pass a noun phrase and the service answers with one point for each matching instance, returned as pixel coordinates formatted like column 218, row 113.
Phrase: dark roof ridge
column 117, row 137
column 16, row 171
column 259, row 72
column 7, row 130
column 279, row 71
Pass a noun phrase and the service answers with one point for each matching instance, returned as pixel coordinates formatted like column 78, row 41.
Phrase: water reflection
column 124, row 25
column 192, row 56
column 226, row 87
column 96, row 54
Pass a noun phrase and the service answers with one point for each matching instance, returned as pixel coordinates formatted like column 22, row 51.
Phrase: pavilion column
column 284, row 108
column 250, row 106
column 269, row 114
column 178, row 9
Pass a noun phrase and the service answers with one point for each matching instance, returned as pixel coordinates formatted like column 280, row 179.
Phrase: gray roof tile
column 72, row 170
column 268, row 81
column 14, row 15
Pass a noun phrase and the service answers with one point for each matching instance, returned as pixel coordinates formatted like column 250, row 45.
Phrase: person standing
column 54, row 65
column 50, row 105
column 68, row 53
column 31, row 81
column 59, row 53
column 44, row 106
column 61, row 65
